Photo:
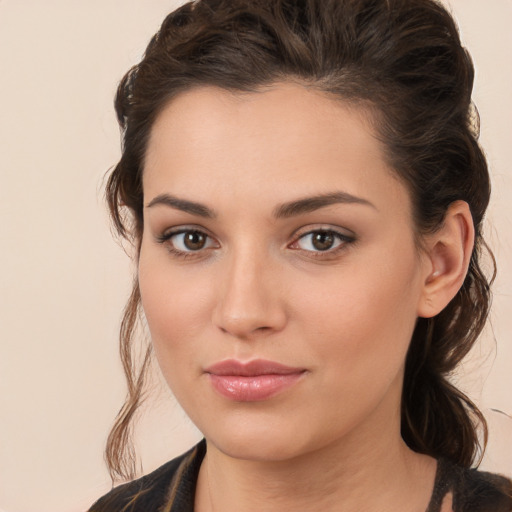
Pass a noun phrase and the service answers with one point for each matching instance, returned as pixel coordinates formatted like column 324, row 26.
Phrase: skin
column 260, row 289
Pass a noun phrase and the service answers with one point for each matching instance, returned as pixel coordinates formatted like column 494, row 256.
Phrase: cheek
column 362, row 321
column 174, row 308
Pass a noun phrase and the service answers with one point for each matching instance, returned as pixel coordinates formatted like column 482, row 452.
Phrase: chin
column 267, row 440
column 269, row 448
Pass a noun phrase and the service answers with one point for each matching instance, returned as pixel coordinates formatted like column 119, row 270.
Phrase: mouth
column 253, row 381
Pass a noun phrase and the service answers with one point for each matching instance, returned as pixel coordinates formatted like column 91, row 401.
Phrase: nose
column 249, row 298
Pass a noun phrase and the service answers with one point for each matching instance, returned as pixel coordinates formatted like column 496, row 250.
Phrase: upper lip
column 251, row 368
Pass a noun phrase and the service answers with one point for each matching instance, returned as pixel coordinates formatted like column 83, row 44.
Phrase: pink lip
column 253, row 381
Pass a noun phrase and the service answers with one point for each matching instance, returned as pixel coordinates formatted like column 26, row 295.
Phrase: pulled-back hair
column 401, row 59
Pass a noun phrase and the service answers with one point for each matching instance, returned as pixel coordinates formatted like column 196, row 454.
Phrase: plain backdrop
column 63, row 280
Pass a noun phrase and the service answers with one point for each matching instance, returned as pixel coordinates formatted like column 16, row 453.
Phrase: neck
column 369, row 469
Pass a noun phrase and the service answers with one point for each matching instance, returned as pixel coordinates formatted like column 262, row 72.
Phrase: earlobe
column 448, row 253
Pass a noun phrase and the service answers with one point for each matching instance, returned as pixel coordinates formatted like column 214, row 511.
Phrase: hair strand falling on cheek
column 120, row 438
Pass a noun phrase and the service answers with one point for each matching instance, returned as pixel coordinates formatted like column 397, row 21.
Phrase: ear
column 448, row 253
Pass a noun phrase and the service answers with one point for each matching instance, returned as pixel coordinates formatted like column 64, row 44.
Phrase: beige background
column 63, row 280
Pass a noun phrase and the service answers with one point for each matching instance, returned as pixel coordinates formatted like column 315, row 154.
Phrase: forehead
column 281, row 141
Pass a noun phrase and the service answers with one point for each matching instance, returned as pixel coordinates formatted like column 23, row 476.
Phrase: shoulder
column 473, row 490
column 153, row 491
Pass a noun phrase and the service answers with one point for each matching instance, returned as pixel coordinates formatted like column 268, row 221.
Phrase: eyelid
column 184, row 228
column 306, row 230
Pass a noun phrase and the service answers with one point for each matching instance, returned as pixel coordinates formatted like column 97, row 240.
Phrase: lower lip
column 253, row 388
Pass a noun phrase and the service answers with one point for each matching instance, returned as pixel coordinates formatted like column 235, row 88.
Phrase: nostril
column 246, row 327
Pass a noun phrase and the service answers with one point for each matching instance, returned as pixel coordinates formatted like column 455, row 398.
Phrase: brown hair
column 404, row 59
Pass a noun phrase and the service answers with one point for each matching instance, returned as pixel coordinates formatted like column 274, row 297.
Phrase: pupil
column 323, row 241
column 194, row 240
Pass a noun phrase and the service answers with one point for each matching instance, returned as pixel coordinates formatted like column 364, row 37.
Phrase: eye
column 321, row 240
column 190, row 241
column 187, row 241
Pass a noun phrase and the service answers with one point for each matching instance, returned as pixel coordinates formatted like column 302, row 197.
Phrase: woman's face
column 278, row 269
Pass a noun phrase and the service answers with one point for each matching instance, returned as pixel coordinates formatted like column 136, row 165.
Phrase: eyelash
column 344, row 240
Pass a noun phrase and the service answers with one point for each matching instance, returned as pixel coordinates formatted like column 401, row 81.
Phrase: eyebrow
column 310, row 204
column 285, row 210
column 184, row 205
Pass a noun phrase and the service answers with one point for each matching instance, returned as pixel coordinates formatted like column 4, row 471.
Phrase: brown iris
column 194, row 240
column 323, row 240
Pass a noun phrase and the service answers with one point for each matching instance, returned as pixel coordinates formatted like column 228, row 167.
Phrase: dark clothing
column 472, row 490
column 171, row 488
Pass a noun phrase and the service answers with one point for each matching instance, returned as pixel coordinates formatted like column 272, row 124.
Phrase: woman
column 305, row 191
